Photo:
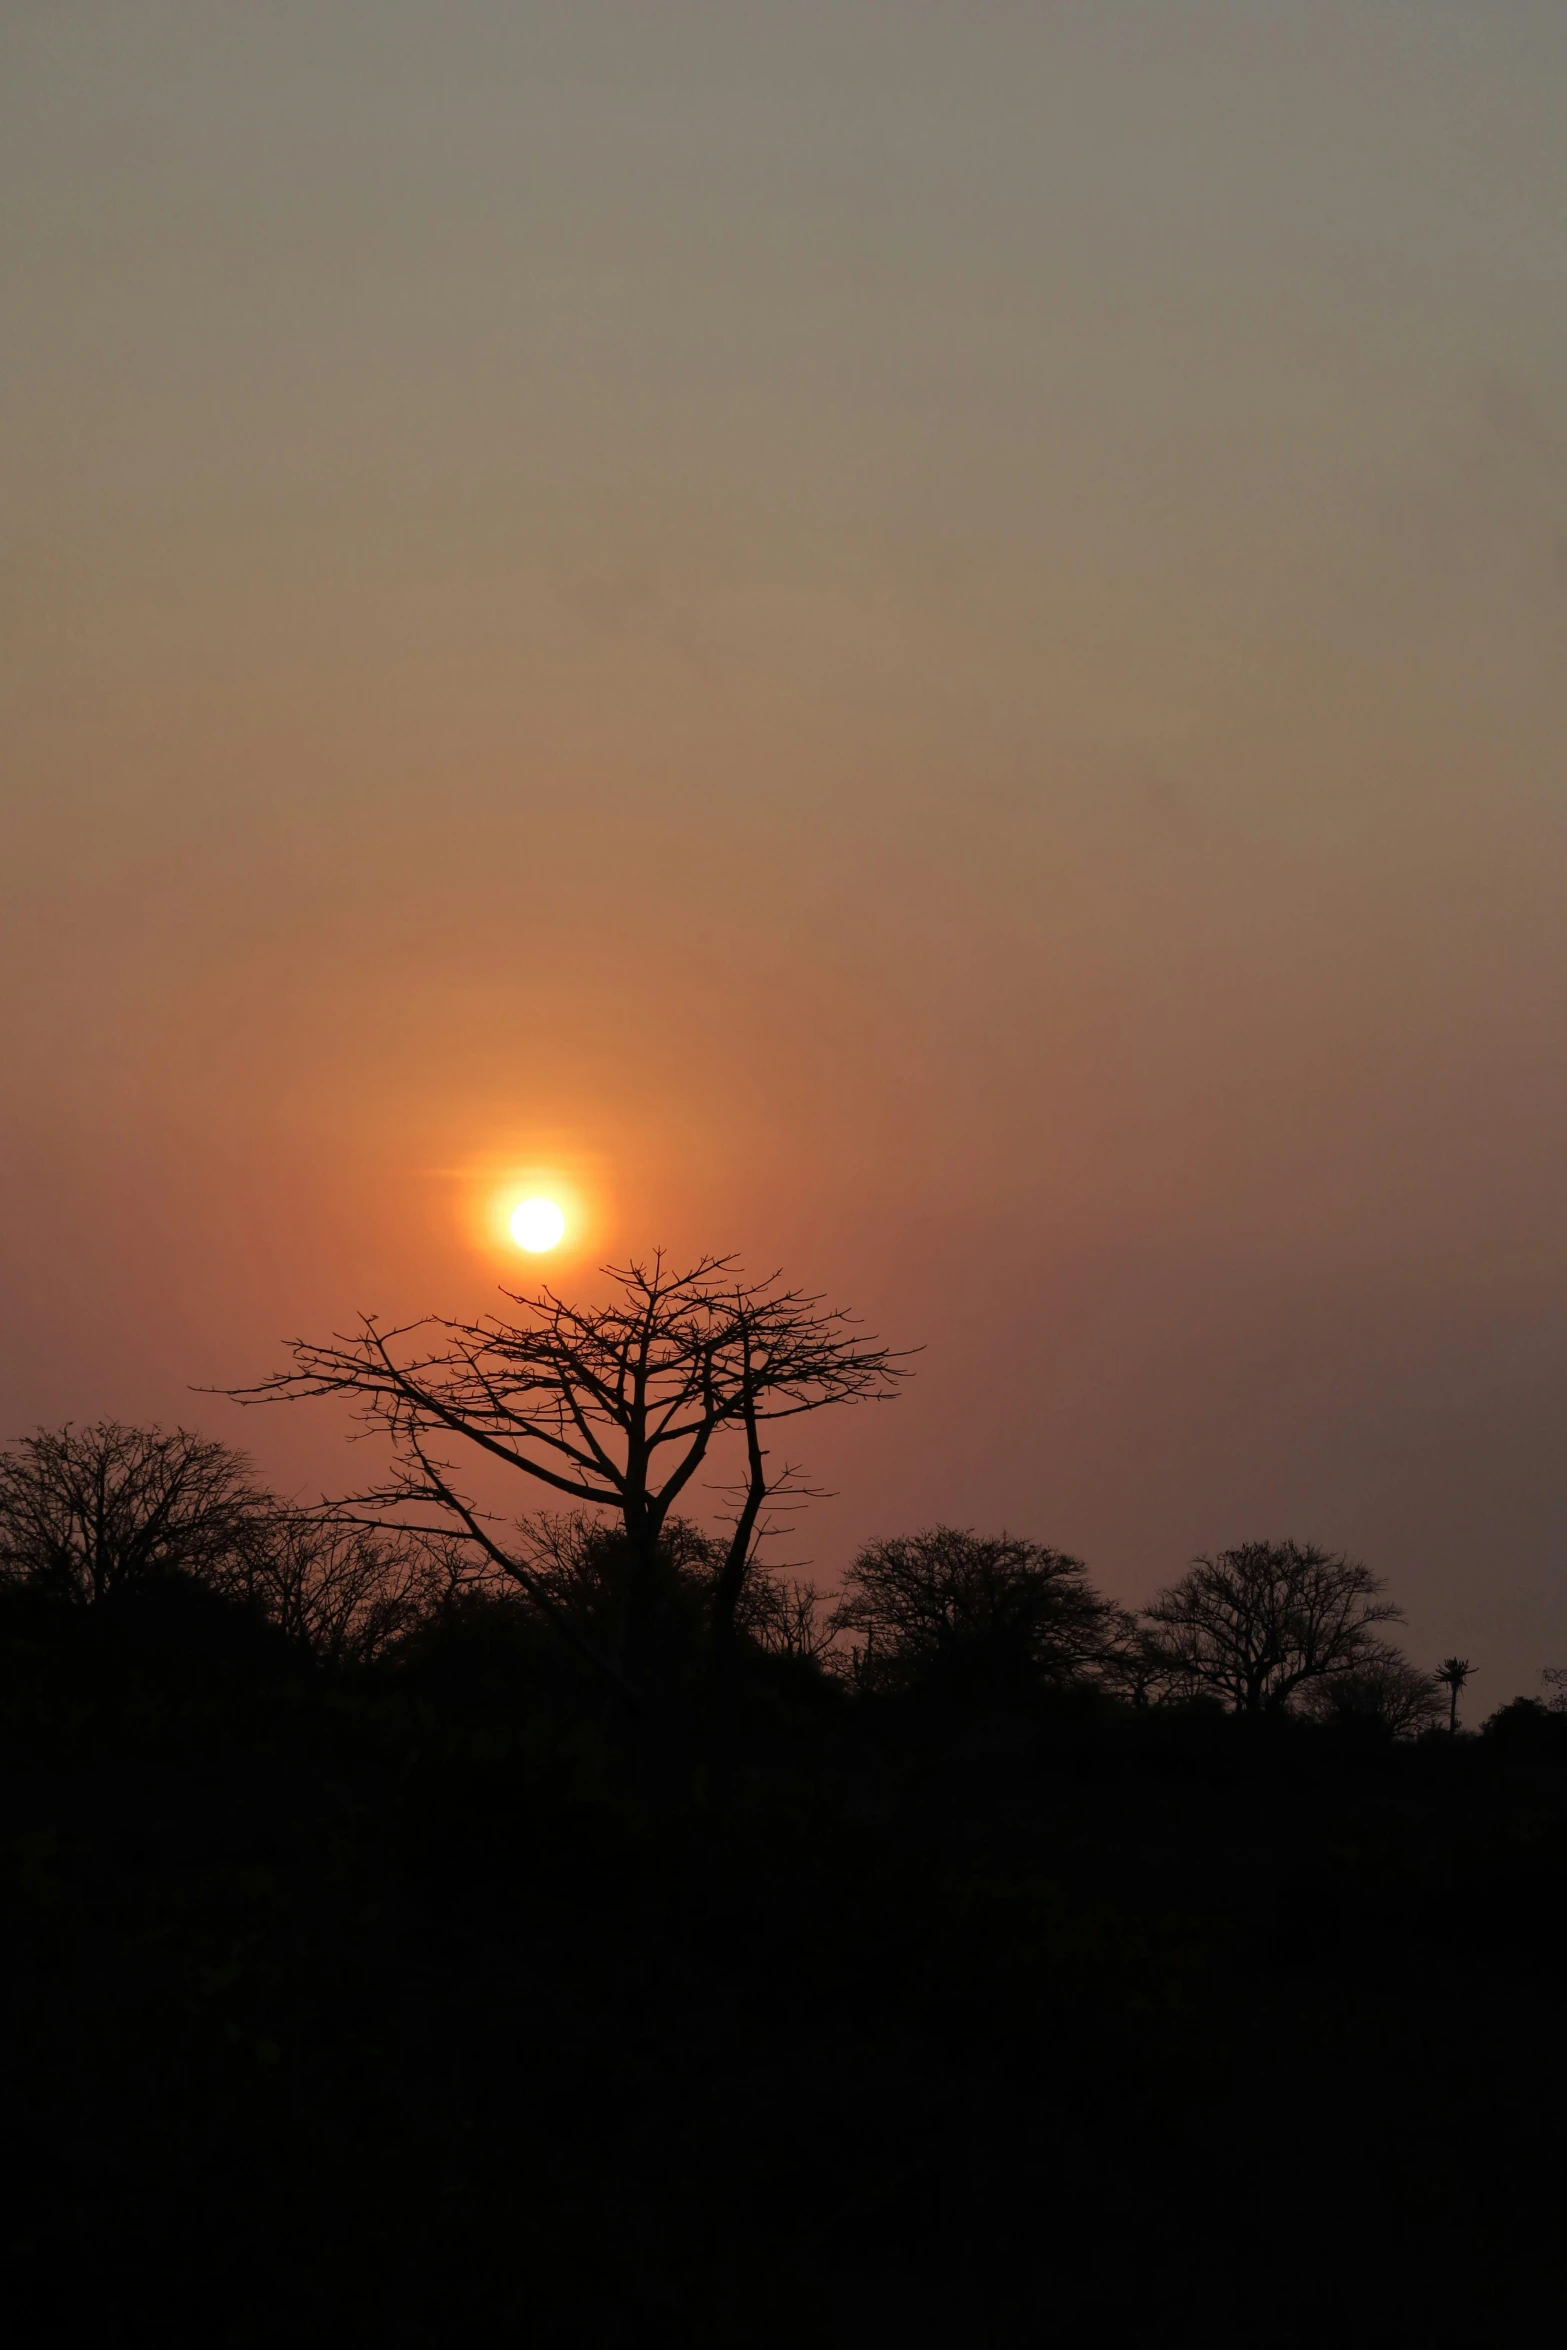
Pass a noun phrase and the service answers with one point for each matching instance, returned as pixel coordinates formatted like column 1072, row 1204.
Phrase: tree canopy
column 619, row 1406
column 90, row 1510
column 988, row 1616
column 1255, row 1624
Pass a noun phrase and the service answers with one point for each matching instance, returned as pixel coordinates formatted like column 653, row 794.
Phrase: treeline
column 407, row 1945
column 962, row 1621
column 430, row 1919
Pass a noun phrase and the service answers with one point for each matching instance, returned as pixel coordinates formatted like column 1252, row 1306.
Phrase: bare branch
column 614, row 1407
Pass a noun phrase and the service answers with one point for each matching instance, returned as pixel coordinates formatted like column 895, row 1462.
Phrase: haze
column 925, row 642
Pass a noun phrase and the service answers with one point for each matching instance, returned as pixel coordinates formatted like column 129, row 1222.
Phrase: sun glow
column 545, row 1202
column 537, row 1224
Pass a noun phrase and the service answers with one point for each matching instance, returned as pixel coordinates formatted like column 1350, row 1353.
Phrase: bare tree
column 990, row 1616
column 1383, row 1691
column 91, row 1511
column 616, row 1407
column 1554, row 1680
column 1453, row 1672
column 346, row 1592
column 1258, row 1623
column 787, row 1618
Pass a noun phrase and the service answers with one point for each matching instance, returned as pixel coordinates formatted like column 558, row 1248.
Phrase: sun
column 540, row 1205
column 537, row 1224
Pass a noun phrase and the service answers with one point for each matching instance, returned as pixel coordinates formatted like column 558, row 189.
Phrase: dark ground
column 408, row 2007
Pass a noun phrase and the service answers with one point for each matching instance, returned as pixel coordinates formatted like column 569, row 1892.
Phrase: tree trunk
column 725, row 1605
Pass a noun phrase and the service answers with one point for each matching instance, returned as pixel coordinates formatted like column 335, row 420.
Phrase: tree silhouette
column 1257, row 1623
column 990, row 1618
column 347, row 1592
column 580, row 1562
column 1453, row 1672
column 1383, row 1691
column 618, row 1407
column 92, row 1511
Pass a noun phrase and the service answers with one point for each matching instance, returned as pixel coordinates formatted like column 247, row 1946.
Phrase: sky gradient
column 923, row 641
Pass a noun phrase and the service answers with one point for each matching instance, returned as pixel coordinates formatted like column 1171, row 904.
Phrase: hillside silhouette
column 406, row 1947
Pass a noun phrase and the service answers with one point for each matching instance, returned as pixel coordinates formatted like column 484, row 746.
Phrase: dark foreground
column 411, row 2007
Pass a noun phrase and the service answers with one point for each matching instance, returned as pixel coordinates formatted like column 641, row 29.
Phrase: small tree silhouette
column 1384, row 1690
column 1453, row 1672
column 991, row 1618
column 89, row 1512
column 1259, row 1623
column 94, row 1513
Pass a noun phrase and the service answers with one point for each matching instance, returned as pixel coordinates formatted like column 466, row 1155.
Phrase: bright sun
column 537, row 1225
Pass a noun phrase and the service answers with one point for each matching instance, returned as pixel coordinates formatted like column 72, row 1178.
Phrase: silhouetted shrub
column 1527, row 1729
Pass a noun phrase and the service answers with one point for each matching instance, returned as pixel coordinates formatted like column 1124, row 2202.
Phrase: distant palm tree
column 1453, row 1672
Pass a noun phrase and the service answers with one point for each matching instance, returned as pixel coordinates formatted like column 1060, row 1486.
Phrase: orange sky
column 926, row 642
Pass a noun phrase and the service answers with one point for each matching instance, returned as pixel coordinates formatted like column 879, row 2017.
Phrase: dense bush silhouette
column 1528, row 1729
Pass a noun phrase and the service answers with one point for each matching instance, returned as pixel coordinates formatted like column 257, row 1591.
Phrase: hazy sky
column 923, row 640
